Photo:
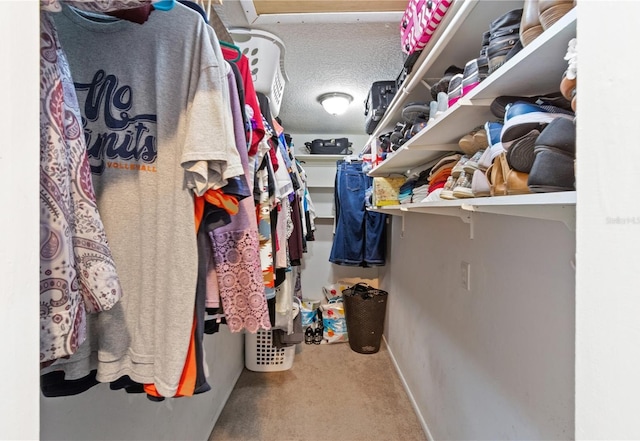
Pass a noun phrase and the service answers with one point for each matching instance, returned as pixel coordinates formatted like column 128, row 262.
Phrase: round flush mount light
column 335, row 103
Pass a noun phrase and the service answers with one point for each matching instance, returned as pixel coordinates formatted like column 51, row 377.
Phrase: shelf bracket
column 560, row 213
column 425, row 84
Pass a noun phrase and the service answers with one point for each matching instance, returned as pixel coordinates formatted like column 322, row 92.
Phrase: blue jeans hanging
column 360, row 235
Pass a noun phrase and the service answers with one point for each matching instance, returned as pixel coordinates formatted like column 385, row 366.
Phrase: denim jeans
column 360, row 235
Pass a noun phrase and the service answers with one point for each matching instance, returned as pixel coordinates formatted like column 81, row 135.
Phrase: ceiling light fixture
column 335, row 103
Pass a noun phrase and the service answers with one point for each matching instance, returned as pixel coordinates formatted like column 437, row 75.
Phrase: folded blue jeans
column 360, row 235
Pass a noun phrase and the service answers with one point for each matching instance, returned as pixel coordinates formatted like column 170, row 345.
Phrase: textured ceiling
column 328, row 57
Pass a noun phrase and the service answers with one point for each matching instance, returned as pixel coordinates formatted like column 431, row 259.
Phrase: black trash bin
column 364, row 309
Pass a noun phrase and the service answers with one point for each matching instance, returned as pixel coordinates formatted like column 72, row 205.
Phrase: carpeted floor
column 330, row 394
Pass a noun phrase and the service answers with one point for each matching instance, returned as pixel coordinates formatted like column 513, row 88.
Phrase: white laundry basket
column 261, row 356
column 265, row 52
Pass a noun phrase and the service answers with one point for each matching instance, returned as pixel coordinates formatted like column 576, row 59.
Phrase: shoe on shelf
column 455, row 89
column 459, row 167
column 473, row 141
column 494, row 148
column 560, row 135
column 462, row 189
column 499, row 104
column 569, row 82
column 550, row 11
column 505, row 34
column 504, row 180
column 520, row 154
column 521, row 117
column 473, row 163
column 475, row 71
column 530, row 27
column 443, row 104
column 480, row 138
column 485, row 44
column 443, row 83
column 555, row 152
column 485, row 160
column 480, row 186
column 433, row 108
column 447, row 190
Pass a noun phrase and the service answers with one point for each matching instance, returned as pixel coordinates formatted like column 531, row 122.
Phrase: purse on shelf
column 504, row 180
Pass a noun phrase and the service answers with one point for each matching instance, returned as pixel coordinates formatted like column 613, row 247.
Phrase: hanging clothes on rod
column 146, row 173
column 77, row 272
column 232, row 47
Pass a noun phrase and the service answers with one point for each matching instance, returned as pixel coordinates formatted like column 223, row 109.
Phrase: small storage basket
column 265, row 52
column 261, row 356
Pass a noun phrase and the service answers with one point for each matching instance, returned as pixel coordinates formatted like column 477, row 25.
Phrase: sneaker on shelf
column 462, row 188
column 499, row 104
column 555, row 152
column 521, row 117
column 459, row 167
column 505, row 35
column 447, row 190
column 455, row 89
column 473, row 163
column 481, row 138
column 493, row 129
column 433, row 112
column 443, row 84
column 473, row 141
column 520, row 154
column 475, row 71
column 485, row 44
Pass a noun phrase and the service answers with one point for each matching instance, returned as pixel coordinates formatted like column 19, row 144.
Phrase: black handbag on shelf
column 336, row 146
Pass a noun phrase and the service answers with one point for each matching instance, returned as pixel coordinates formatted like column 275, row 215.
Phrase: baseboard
column 414, row 404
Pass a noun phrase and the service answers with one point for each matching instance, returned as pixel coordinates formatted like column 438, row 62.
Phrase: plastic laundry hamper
column 265, row 52
column 261, row 356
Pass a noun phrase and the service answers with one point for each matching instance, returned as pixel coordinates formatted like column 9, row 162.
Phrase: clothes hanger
column 234, row 47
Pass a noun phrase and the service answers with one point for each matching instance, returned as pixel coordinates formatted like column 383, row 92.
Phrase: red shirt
column 252, row 106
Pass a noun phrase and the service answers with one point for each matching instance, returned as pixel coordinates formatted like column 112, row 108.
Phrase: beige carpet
column 330, row 394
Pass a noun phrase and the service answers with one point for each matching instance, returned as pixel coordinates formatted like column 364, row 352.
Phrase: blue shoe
column 494, row 130
column 521, row 118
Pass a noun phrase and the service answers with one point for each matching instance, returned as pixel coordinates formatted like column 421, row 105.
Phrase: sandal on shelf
column 308, row 335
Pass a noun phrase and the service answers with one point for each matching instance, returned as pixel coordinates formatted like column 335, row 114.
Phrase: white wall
column 317, row 271
column 358, row 140
column 607, row 295
column 19, row 240
column 495, row 362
